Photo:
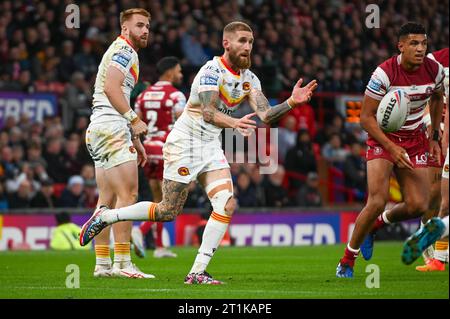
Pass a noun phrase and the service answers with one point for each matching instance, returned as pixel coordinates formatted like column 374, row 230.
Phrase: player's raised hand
column 302, row 95
column 245, row 125
column 139, row 127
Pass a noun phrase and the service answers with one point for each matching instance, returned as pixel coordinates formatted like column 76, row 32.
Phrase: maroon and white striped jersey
column 441, row 56
column 419, row 85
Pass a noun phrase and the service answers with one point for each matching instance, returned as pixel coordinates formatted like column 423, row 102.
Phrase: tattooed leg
column 174, row 197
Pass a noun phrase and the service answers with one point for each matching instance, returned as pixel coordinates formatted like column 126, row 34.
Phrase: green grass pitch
column 256, row 272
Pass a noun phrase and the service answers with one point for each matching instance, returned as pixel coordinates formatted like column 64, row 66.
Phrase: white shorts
column 186, row 157
column 446, row 167
column 109, row 143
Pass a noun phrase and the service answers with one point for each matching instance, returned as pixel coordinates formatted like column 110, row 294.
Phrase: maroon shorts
column 415, row 144
column 155, row 164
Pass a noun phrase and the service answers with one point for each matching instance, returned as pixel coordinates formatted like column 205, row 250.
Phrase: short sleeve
column 255, row 83
column 209, row 78
column 123, row 59
column 378, row 84
column 439, row 80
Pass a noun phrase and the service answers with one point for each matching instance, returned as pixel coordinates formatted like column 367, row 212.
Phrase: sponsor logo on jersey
column 421, row 160
column 246, row 86
column 122, row 59
column 208, row 80
column 446, row 168
column 388, row 111
column 374, row 84
column 183, row 171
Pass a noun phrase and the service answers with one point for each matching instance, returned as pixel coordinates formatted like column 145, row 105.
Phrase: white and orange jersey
column 122, row 56
column 232, row 87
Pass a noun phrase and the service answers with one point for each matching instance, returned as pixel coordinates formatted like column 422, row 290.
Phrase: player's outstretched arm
column 268, row 114
column 211, row 114
column 113, row 90
column 369, row 124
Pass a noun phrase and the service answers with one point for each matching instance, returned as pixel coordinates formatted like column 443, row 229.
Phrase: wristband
column 289, row 104
column 131, row 116
column 436, row 135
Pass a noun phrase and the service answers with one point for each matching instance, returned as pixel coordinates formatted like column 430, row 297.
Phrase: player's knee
column 220, row 194
column 376, row 204
column 230, row 206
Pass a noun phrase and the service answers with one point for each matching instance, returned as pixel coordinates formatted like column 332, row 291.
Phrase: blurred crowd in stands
column 47, row 164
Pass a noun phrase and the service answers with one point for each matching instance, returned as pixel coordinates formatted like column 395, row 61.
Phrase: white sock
column 103, row 261
column 440, row 255
column 445, row 221
column 384, row 216
column 138, row 211
column 212, row 236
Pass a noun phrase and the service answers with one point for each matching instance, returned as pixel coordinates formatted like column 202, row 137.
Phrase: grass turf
column 249, row 272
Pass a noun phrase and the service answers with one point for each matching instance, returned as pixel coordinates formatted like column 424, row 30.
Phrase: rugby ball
column 393, row 110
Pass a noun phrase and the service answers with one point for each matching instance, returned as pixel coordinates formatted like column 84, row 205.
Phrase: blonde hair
column 127, row 14
column 236, row 26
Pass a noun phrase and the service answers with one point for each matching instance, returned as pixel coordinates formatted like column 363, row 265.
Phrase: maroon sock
column 145, row 227
column 349, row 257
column 158, row 235
column 379, row 223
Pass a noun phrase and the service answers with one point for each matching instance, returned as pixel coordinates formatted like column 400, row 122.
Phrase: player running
column 159, row 106
column 405, row 151
column 435, row 258
column 110, row 142
column 193, row 149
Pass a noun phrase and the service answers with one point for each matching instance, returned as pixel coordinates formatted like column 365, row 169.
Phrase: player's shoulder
column 212, row 67
column 124, row 46
column 440, row 56
column 250, row 75
column 390, row 65
column 431, row 66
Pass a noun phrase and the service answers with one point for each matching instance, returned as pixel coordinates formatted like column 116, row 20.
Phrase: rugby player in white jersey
column 113, row 147
column 193, row 149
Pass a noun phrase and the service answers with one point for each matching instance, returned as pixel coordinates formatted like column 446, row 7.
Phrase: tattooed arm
column 211, row 114
column 261, row 106
column 268, row 114
column 209, row 102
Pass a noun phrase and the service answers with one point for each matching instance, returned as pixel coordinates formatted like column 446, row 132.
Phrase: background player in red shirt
column 159, row 106
column 405, row 151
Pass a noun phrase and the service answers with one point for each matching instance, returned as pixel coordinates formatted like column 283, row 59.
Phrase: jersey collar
column 222, row 60
column 127, row 41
